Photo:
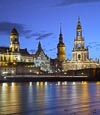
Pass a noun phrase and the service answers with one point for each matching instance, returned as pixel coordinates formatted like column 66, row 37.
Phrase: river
column 50, row 98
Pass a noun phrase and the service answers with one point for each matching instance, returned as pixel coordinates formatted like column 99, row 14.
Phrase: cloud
column 32, row 51
column 43, row 35
column 6, row 28
column 89, row 46
column 97, row 45
column 72, row 2
column 94, row 45
column 39, row 36
column 32, row 35
column 50, row 50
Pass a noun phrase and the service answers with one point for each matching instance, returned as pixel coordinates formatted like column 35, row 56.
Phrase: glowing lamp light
column 30, row 83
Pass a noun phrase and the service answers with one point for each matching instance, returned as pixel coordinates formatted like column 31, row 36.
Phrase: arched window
column 79, row 56
column 4, row 58
column 1, row 58
column 78, row 46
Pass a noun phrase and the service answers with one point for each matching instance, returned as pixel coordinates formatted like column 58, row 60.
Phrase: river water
column 50, row 98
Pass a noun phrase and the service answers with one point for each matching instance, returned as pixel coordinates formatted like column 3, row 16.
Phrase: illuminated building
column 41, row 59
column 13, row 55
column 61, row 56
column 15, row 60
column 80, row 54
column 56, row 64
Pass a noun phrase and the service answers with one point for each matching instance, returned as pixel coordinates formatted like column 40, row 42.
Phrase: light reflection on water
column 50, row 98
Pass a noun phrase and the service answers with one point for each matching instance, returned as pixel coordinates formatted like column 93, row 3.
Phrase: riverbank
column 49, row 79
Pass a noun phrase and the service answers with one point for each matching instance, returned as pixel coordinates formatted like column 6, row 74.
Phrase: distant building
column 80, row 54
column 14, row 60
column 13, row 54
column 56, row 64
column 41, row 59
column 61, row 55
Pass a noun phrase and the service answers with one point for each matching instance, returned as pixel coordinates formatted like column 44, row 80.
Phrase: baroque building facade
column 80, row 54
column 13, row 55
column 13, row 59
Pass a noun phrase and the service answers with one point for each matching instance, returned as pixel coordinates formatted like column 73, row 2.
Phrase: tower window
column 16, row 49
column 78, row 34
column 79, row 56
column 78, row 46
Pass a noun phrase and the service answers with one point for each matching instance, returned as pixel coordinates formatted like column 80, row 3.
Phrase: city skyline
column 40, row 21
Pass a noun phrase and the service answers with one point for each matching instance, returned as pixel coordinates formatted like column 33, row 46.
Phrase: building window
column 4, row 58
column 78, row 46
column 1, row 59
column 79, row 56
column 78, row 33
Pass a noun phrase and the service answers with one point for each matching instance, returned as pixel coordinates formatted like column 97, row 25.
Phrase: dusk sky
column 39, row 20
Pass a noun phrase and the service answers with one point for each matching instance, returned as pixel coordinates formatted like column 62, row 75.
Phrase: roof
column 23, row 52
column 14, row 31
column 61, row 44
column 39, row 50
column 3, row 49
column 79, row 24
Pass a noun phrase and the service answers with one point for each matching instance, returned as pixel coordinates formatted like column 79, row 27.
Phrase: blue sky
column 39, row 20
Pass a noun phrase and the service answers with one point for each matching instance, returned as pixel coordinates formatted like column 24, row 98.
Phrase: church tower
column 79, row 53
column 40, row 47
column 61, row 56
column 14, row 41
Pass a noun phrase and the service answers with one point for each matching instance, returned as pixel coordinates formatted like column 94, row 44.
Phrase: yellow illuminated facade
column 80, row 54
column 40, row 62
column 61, row 55
column 11, row 56
column 13, row 53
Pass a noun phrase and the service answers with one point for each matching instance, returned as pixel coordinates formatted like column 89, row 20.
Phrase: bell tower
column 79, row 53
column 61, row 56
column 14, row 41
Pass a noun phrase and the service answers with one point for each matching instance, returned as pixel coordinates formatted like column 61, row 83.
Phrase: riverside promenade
column 51, row 78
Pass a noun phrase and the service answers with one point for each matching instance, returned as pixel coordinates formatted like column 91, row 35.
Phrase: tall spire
column 61, row 56
column 78, row 18
column 79, row 28
column 39, row 46
column 60, row 35
column 80, row 53
column 60, row 29
column 79, row 24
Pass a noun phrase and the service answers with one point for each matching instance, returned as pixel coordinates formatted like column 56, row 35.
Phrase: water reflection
column 9, row 99
column 4, row 84
column 98, row 82
column 30, row 83
column 45, row 98
column 84, row 82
